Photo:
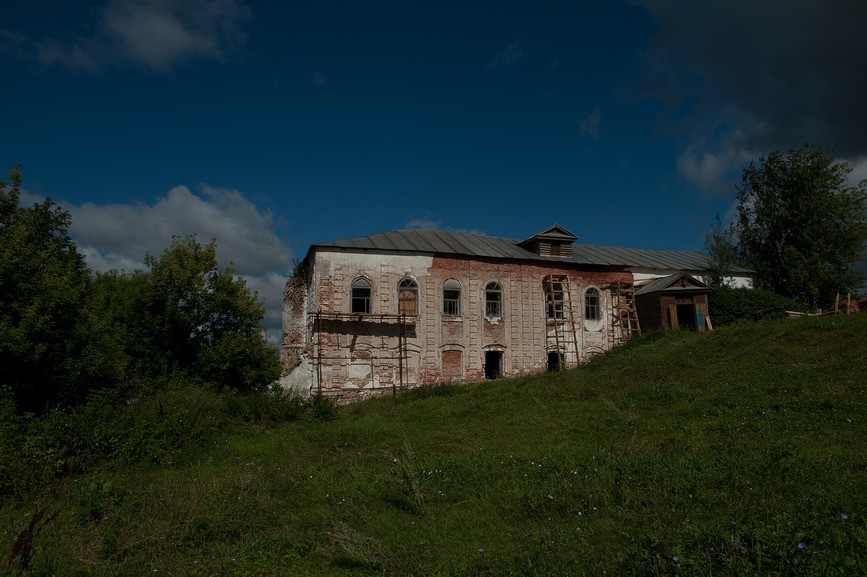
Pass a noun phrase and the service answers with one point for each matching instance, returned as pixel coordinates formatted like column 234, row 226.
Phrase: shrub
column 272, row 406
column 728, row 305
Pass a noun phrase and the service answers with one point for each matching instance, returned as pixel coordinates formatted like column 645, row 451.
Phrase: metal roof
column 665, row 282
column 467, row 244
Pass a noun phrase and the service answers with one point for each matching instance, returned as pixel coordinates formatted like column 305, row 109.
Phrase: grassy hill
column 736, row 452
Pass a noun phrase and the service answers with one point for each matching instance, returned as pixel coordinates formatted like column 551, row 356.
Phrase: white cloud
column 117, row 236
column 152, row 34
column 703, row 169
column 428, row 223
column 714, row 164
column 425, row 223
column 244, row 234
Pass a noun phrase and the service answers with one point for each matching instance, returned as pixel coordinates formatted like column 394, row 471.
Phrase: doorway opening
column 555, row 359
column 686, row 316
column 493, row 364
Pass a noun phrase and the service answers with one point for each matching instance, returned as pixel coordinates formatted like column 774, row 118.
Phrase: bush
column 728, row 305
column 36, row 450
column 273, row 406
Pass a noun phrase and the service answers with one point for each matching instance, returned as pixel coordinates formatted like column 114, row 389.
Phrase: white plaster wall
column 300, row 379
column 326, row 262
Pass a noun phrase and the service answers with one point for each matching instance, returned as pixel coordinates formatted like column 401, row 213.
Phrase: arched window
column 493, row 300
column 451, row 298
column 407, row 297
column 361, row 295
column 592, row 308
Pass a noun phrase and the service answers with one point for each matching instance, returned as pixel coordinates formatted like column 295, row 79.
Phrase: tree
column 801, row 225
column 722, row 251
column 43, row 282
column 203, row 322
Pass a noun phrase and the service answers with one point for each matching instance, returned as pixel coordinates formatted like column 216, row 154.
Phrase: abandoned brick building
column 406, row 308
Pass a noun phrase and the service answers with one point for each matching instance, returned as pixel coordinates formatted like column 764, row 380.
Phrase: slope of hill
column 736, row 452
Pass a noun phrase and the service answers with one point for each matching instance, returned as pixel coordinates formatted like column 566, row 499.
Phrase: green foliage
column 266, row 408
column 204, row 322
column 35, row 452
column 299, row 269
column 43, row 281
column 64, row 335
column 801, row 226
column 182, row 319
column 322, row 408
column 722, row 251
column 728, row 305
column 733, row 452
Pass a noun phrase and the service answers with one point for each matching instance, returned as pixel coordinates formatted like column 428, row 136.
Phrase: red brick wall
column 449, row 348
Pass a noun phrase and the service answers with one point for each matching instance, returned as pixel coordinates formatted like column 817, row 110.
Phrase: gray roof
column 467, row 244
column 664, row 283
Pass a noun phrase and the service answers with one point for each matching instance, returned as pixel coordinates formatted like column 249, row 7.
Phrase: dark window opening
column 555, row 297
column 452, row 298
column 360, row 295
column 592, row 311
column 493, row 300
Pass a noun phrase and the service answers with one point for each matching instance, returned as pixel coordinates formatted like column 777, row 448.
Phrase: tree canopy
column 43, row 282
column 64, row 334
column 801, row 225
column 205, row 321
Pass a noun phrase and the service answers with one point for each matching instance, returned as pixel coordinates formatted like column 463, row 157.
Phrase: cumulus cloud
column 152, row 34
column 245, row 236
column 117, row 236
column 428, row 223
column 425, row 223
column 767, row 75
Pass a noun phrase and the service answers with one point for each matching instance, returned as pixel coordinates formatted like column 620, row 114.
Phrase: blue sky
column 271, row 126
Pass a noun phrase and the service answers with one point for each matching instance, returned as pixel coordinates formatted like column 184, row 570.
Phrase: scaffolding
column 624, row 316
column 321, row 358
column 560, row 316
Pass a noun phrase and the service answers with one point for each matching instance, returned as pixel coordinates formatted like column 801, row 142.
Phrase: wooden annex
column 676, row 301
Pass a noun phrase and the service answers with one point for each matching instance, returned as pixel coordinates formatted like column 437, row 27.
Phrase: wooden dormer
column 553, row 241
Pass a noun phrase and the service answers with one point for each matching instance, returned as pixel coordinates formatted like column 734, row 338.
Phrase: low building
column 406, row 308
column 676, row 301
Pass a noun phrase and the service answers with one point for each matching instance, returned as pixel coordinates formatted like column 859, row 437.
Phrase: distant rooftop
column 467, row 244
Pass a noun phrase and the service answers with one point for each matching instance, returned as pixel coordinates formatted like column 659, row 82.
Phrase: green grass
column 736, row 452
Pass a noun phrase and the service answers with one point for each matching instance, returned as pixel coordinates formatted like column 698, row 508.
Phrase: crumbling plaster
column 357, row 357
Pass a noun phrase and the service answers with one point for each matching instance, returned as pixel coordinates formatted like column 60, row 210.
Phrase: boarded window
column 407, row 297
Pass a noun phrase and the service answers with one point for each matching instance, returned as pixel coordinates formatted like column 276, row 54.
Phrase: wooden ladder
column 624, row 316
column 559, row 313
